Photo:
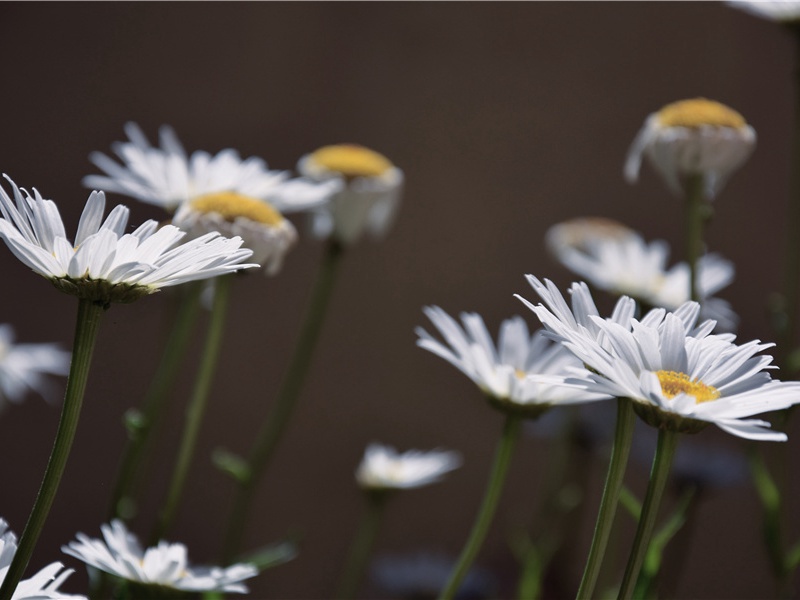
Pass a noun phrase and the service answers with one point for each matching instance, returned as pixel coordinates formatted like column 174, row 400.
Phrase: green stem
column 86, row 328
column 502, row 459
column 697, row 213
column 272, row 431
column 362, row 545
column 197, row 406
column 665, row 451
column 155, row 402
column 623, row 435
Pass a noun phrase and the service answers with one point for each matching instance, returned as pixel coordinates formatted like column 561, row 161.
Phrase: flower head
column 616, row 259
column 24, row 367
column 165, row 565
column 678, row 375
column 104, row 264
column 43, row 585
column 384, row 468
column 524, row 373
column 692, row 137
column 782, row 11
column 369, row 195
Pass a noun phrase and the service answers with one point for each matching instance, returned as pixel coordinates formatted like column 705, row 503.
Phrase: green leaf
column 232, row 464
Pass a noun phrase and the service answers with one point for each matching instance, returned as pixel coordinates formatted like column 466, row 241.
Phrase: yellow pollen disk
column 230, row 206
column 700, row 112
column 520, row 373
column 674, row 383
column 351, row 160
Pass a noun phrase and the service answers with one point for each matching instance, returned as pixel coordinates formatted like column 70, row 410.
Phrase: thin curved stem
column 197, row 406
column 698, row 210
column 494, row 488
column 623, row 435
column 86, row 329
column 362, row 545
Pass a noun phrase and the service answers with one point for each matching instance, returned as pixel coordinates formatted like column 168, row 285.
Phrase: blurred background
column 506, row 118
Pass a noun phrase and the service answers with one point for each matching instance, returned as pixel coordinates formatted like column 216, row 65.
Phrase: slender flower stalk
column 197, row 406
column 665, row 451
column 362, row 544
column 698, row 211
column 623, row 436
column 272, row 431
column 141, row 434
column 502, row 460
column 86, row 329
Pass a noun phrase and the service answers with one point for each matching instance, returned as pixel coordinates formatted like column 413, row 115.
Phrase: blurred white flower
column 105, row 264
column 692, row 137
column 165, row 565
column 42, row 586
column 369, row 195
column 617, row 259
column 24, row 367
column 782, row 11
column 384, row 468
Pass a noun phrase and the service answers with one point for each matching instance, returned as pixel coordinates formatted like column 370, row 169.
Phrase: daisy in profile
column 616, row 259
column 781, row 11
column 383, row 468
column 370, row 187
column 26, row 367
column 163, row 566
column 42, row 586
column 220, row 193
column 103, row 263
column 690, row 138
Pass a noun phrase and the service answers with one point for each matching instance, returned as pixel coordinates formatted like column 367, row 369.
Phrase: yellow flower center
column 520, row 373
column 674, row 383
column 230, row 206
column 351, row 160
column 700, row 112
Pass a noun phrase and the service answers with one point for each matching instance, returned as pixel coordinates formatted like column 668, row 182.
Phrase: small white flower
column 369, row 196
column 165, row 565
column 782, row 11
column 105, row 264
column 524, row 372
column 24, row 367
column 692, row 137
column 616, row 259
column 384, row 468
column 677, row 374
column 42, row 586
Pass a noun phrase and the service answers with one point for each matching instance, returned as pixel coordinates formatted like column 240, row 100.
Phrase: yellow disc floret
column 231, row 206
column 674, row 383
column 700, row 112
column 351, row 160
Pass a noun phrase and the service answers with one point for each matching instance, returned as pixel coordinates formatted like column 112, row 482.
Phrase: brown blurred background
column 506, row 118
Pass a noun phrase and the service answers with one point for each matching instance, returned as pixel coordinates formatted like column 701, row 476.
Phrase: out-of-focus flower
column 782, row 11
column 524, row 373
column 689, row 138
column 165, row 565
column 24, row 367
column 616, row 259
column 105, row 264
column 678, row 375
column 42, row 586
column 370, row 191
column 384, row 468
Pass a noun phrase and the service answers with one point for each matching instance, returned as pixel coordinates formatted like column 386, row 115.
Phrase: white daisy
column 165, row 565
column 105, row 264
column 43, row 585
column 24, row 367
column 369, row 196
column 524, row 373
column 692, row 137
column 678, row 376
column 616, row 259
column 384, row 468
column 782, row 11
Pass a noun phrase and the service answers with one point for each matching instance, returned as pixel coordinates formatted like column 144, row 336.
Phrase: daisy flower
column 384, row 468
column 369, row 195
column 523, row 373
column 692, row 137
column 782, row 11
column 165, row 565
column 617, row 259
column 44, row 584
column 24, row 367
column 104, row 264
column 678, row 375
